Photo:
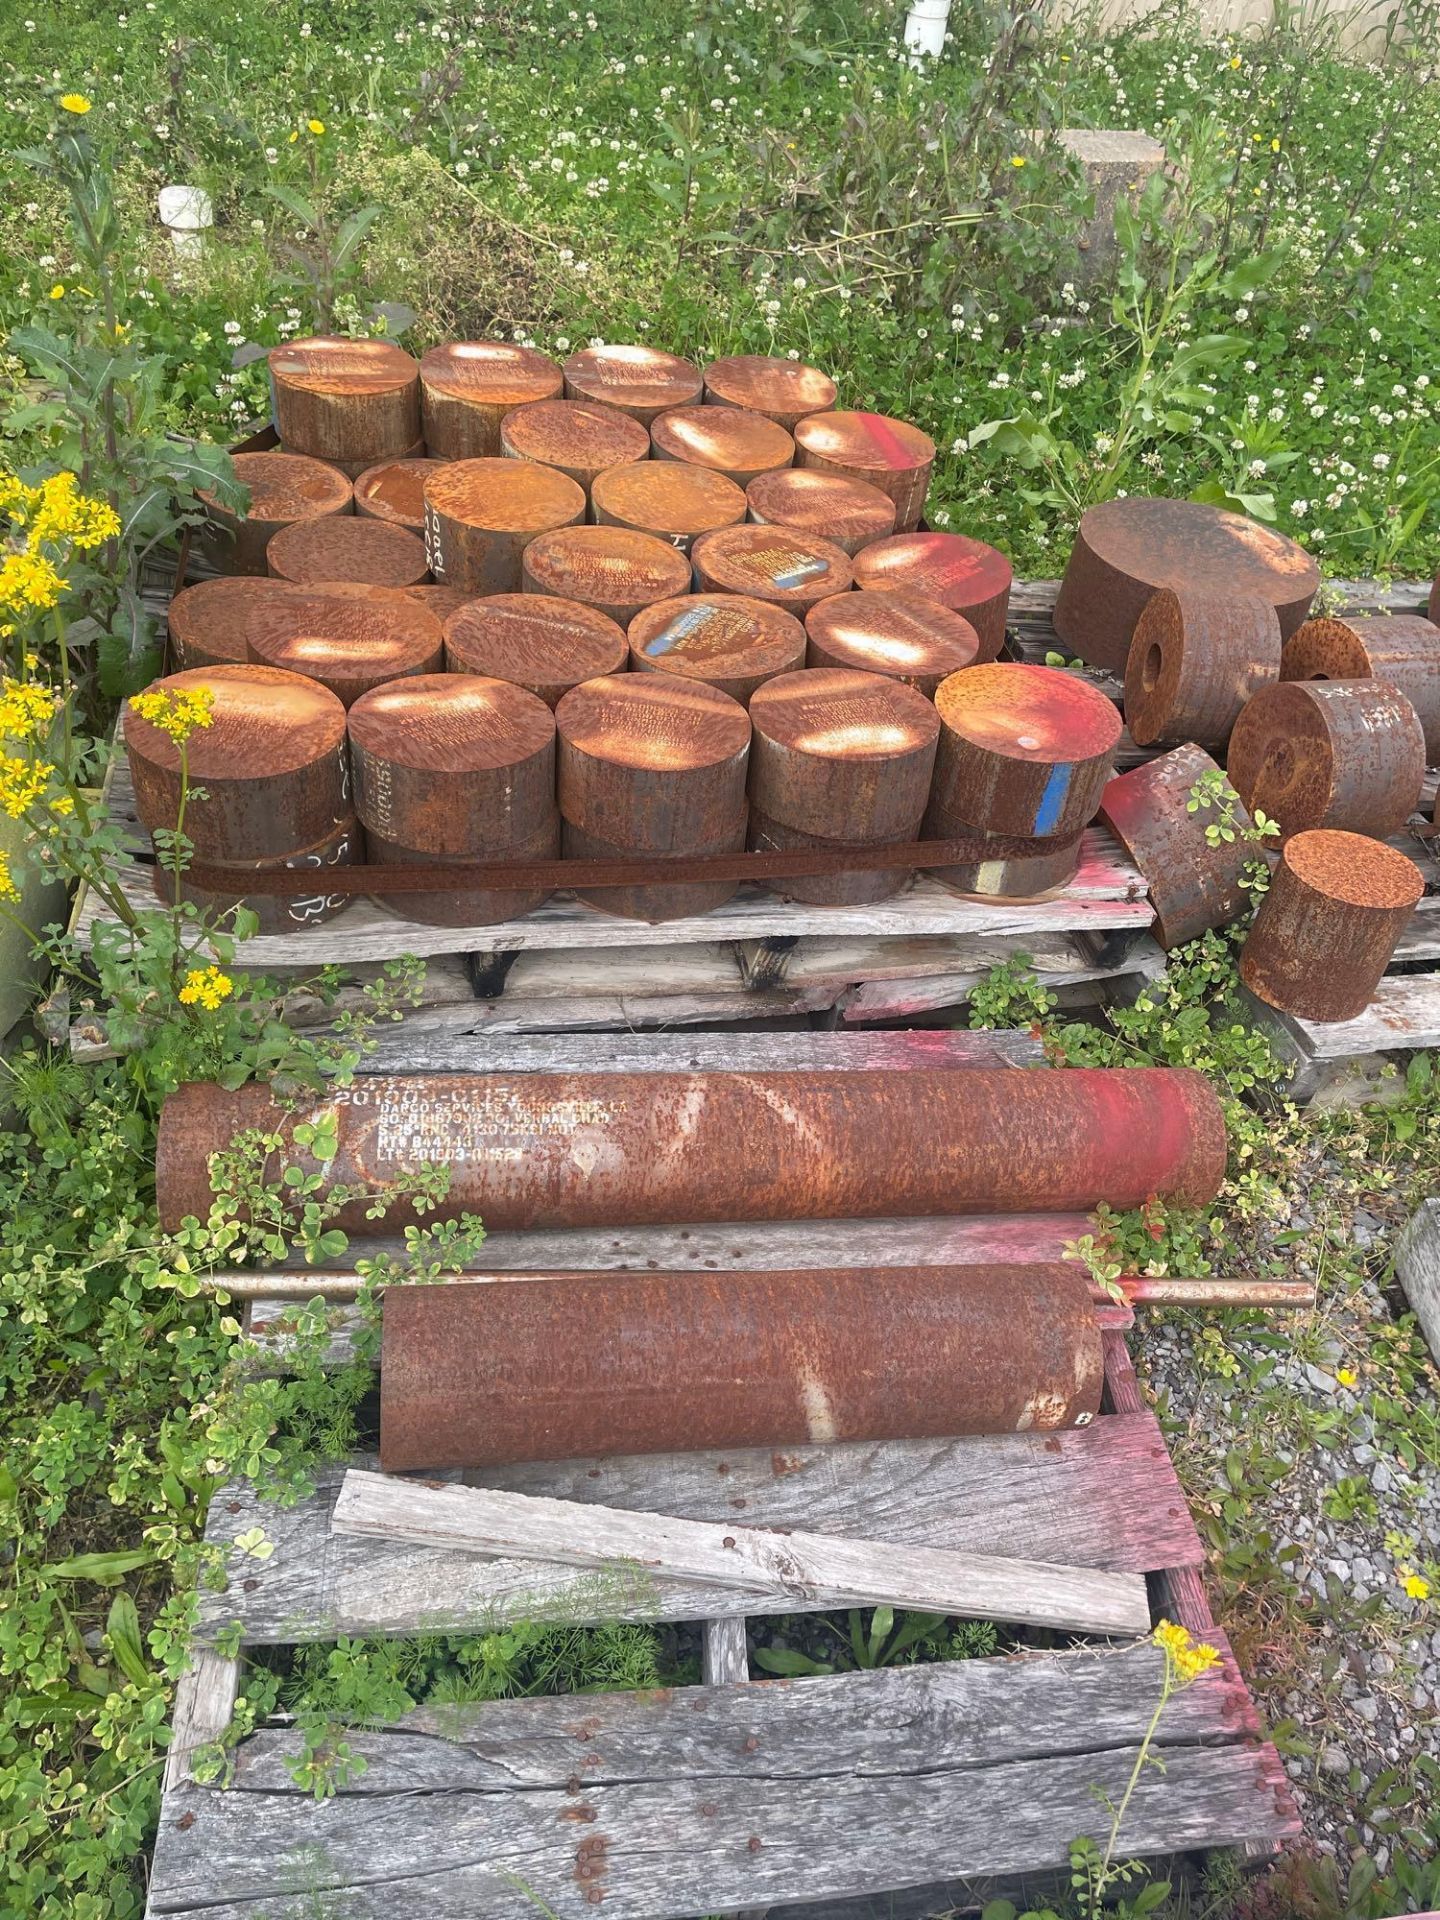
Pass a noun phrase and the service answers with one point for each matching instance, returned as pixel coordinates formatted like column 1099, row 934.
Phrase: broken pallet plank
column 808, row 1569
column 1417, row 1268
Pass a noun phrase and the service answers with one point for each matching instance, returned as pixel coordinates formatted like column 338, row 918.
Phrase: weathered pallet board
column 684, row 1802
column 1417, row 1268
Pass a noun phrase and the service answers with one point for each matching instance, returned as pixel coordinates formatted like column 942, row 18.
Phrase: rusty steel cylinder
column 284, row 488
column 1126, row 548
column 648, row 1149
column 281, row 913
column 462, row 906
column 1195, row 660
column 1193, row 885
column 903, row 635
column 639, row 381
column 1011, row 872
column 852, row 889
column 348, row 642
column 272, row 765
column 575, row 437
column 207, row 623
column 394, row 492
column 890, row 454
column 771, row 563
column 365, row 551
column 851, row 513
column 1401, row 649
column 1024, row 750
column 724, row 639
column 481, row 515
column 468, row 386
column 668, row 499
column 543, row 644
column 785, row 391
column 1329, row 753
column 571, row 1366
column 654, row 900
column 608, row 568
column 732, row 440
column 1336, row 908
column 962, row 574
column 352, row 402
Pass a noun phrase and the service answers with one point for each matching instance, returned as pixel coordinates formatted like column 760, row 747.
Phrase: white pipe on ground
column 187, row 213
column 925, row 30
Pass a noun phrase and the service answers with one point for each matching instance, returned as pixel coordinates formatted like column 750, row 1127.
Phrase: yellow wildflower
column 317, row 127
column 293, row 138
column 1186, row 1659
column 21, row 783
column 176, row 711
column 1347, row 1376
column 74, row 103
column 8, row 888
column 64, row 513
column 63, row 804
column 1017, row 160
column 16, row 499
column 29, row 580
column 206, row 987
column 1415, row 1585
column 1235, row 62
column 57, row 292
column 1274, row 146
column 26, row 710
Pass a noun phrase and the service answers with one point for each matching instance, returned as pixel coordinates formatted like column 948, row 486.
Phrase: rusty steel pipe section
column 1401, row 649
column 1156, row 814
column 1347, row 754
column 626, row 1149
column 565, row 1367
column 1195, row 660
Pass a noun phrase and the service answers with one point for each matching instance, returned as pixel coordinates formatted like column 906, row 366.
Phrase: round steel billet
column 845, row 756
column 643, row 1149
column 652, row 763
column 962, row 574
column 672, row 900
column 771, row 563
column 284, row 488
column 1023, row 750
column 676, row 503
column 351, row 401
column 468, row 386
column 272, row 763
column 1401, row 649
column 816, row 889
column 348, row 642
column 352, row 469
column 480, row 515
column 1193, row 885
column 903, row 635
column 851, row 513
column 1329, row 753
column 1125, row 549
column 276, row 913
column 724, row 639
column 890, row 454
column 572, row 1366
column 464, row 906
column 352, row 548
column 395, row 492
column 639, row 381
column 451, row 763
column 535, row 641
column 207, row 622
column 1336, row 908
column 1195, row 660
column 608, row 568
column 440, row 602
column 732, row 440
column 785, row 391
column 575, row 437
column 1047, row 868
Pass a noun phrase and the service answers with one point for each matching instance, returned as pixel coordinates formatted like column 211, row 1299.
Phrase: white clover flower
column 1380, row 462
column 1300, row 509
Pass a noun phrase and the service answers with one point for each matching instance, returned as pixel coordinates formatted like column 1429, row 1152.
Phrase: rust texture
column 1024, row 750
column 1329, row 753
column 653, row 764
column 902, row 635
column 960, row 573
column 272, row 764
column 347, row 548
column 1337, row 906
column 463, row 906
column 890, row 454
column 576, row 437
column 395, row 492
column 352, row 469
column 1192, row 884
column 856, row 888
column 570, row 1366
column 343, row 847
column 732, row 440
column 666, row 498
column 841, row 755
column 468, row 386
column 783, row 390
column 348, row 642
column 1125, row 549
column 539, row 642
column 1042, row 868
column 439, row 601
column 851, row 513
column 451, row 763
column 1401, row 649
column 1195, row 660
column 639, row 381
column 660, row 900
column 771, row 563
column 724, row 639
column 352, row 402
column 284, row 487
column 207, row 622
column 480, row 515
column 608, row 568
column 641, row 1149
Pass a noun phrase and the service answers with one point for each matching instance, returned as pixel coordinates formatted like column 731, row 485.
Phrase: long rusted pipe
column 570, row 1366
column 618, row 1149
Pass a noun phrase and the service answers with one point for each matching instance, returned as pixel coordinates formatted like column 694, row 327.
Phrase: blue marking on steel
column 1053, row 798
column 680, row 630
column 803, row 570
